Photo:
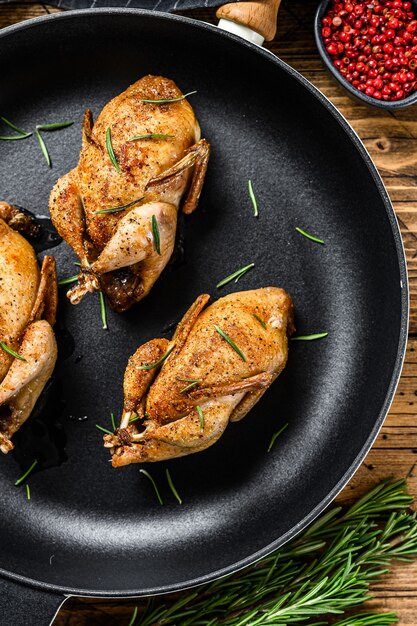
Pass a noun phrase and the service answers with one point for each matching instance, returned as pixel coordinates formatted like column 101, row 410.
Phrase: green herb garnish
column 230, row 342
column 116, row 209
column 192, row 384
column 309, row 337
column 275, row 436
column 14, row 137
column 113, row 421
column 16, row 128
column 68, row 281
column 149, row 477
column 104, row 430
column 43, row 147
column 252, row 197
column 54, row 126
column 172, row 486
column 103, row 311
column 156, row 235
column 311, row 237
column 151, row 136
column 134, row 418
column 236, row 275
column 20, row 480
column 134, row 616
column 27, row 491
column 159, row 361
column 201, row 416
column 11, row 352
column 168, row 100
column 110, row 151
column 262, row 323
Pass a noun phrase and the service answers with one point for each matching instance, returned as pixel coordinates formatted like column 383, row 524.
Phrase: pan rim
column 404, row 301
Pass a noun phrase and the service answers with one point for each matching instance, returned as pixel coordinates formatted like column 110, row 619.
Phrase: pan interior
column 105, row 528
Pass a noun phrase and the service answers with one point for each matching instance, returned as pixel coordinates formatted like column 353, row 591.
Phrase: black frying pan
column 93, row 530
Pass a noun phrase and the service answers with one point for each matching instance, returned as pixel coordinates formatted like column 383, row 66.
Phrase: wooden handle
column 260, row 16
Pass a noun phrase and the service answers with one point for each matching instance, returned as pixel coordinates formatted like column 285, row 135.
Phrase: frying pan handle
column 259, row 16
column 26, row 606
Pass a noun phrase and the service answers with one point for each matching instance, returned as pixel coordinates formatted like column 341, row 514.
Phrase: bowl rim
column 381, row 104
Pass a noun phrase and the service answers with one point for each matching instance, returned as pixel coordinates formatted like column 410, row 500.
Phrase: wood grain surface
column 391, row 140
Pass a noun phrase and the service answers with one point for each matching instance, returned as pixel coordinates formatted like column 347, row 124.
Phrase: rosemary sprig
column 103, row 311
column 159, row 361
column 113, row 421
column 201, row 416
column 172, row 486
column 191, row 384
column 110, row 151
column 22, row 478
column 168, row 100
column 309, row 337
column 149, row 477
column 27, row 491
column 321, row 573
column 275, row 437
column 236, row 275
column 104, row 430
column 134, row 616
column 253, row 198
column 14, row 127
column 15, row 137
column 134, row 418
column 156, row 235
column 151, row 136
column 230, row 342
column 43, row 147
column 260, row 320
column 11, row 352
column 116, row 209
column 311, row 237
column 54, row 126
column 68, row 281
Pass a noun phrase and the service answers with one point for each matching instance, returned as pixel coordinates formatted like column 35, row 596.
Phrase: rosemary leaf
column 104, row 430
column 27, row 491
column 262, row 323
column 311, row 237
column 275, row 437
column 201, row 416
column 156, row 235
column 43, row 147
column 151, row 136
column 236, row 275
column 16, row 128
column 54, row 126
column 253, row 198
column 149, row 477
column 113, row 422
column 11, row 352
column 172, row 486
column 68, row 281
column 116, row 209
column 110, row 151
column 134, row 419
column 168, row 100
column 159, row 361
column 192, row 384
column 14, row 137
column 134, row 616
column 22, row 478
column 103, row 311
column 309, row 337
column 230, row 342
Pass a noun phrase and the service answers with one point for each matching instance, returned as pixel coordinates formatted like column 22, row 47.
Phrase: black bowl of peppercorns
column 370, row 47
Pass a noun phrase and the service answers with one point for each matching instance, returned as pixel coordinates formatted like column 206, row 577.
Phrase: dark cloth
column 152, row 5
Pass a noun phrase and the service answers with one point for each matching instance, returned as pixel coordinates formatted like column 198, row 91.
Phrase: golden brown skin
column 117, row 250
column 28, row 301
column 228, row 386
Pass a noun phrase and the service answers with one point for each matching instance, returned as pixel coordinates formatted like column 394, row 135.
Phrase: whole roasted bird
column 28, row 302
column 117, row 209
column 181, row 394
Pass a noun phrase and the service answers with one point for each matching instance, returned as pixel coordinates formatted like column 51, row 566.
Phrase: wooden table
column 391, row 139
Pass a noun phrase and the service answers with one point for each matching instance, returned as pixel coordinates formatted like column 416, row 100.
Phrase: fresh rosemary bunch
column 323, row 572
